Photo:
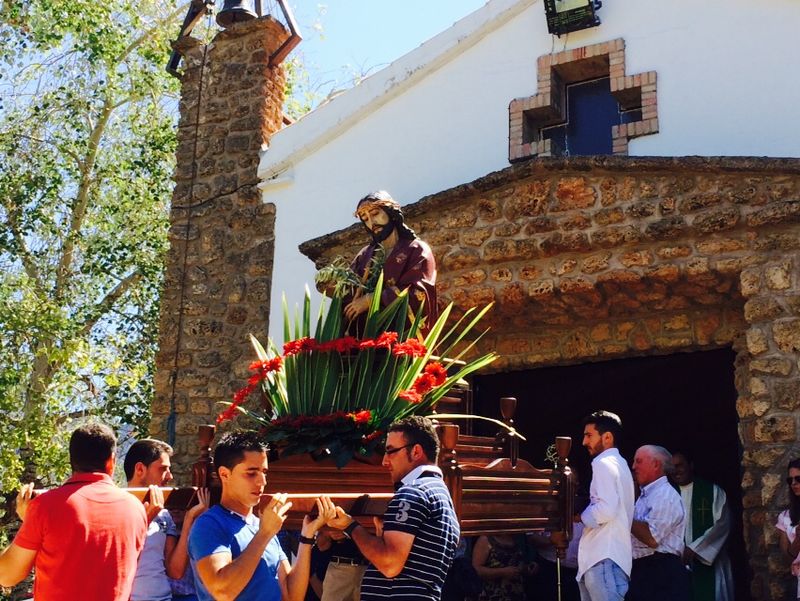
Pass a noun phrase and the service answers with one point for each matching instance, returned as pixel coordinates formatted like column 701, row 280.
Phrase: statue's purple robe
column 410, row 265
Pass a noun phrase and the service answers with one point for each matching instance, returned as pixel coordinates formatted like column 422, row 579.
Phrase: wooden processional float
column 493, row 490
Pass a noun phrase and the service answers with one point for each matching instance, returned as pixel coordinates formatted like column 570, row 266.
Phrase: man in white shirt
column 707, row 528
column 604, row 552
column 657, row 533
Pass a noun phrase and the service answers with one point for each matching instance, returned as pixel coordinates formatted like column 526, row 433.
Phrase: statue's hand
column 357, row 307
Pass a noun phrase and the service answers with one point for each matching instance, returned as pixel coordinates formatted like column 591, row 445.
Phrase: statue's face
column 376, row 220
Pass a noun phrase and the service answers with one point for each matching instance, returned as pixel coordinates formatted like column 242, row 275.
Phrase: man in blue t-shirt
column 235, row 555
column 415, row 545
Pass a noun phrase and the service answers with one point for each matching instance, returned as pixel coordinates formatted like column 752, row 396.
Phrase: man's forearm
column 231, row 579
column 374, row 548
column 297, row 579
column 641, row 530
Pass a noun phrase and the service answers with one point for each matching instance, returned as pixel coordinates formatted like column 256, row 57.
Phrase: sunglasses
column 405, row 446
column 793, row 480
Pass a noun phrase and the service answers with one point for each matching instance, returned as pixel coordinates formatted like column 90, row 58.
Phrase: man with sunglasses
column 416, row 542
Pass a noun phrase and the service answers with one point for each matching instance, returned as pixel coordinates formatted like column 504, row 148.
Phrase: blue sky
column 358, row 37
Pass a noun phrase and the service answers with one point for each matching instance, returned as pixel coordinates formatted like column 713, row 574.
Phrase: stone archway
column 595, row 258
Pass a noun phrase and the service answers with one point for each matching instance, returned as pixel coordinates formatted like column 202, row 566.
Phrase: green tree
column 87, row 144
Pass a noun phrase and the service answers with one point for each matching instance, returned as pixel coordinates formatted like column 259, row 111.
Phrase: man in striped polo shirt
column 413, row 549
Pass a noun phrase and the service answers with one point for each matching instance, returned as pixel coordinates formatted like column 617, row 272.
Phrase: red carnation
column 346, row 344
column 300, row 345
column 366, row 344
column 411, row 395
column 411, row 347
column 437, row 371
column 424, row 383
column 361, row 417
column 386, row 340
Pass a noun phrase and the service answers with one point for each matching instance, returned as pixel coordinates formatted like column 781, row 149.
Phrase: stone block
column 717, row 221
column 573, row 193
column 575, row 222
column 529, row 272
column 463, row 218
column 595, row 263
column 786, row 334
column 674, row 252
column 640, row 210
column 775, row 366
column 609, row 216
column 470, row 278
column 773, row 213
column 567, row 242
column 615, row 236
column 667, row 228
column 760, row 309
column 542, row 224
column 541, row 289
column 716, row 245
column 636, row 258
column 489, row 209
column 787, row 394
column 475, row 236
column 510, row 250
column 757, row 342
column 778, row 277
column 564, row 267
column 774, row 429
column 502, row 275
column 461, row 259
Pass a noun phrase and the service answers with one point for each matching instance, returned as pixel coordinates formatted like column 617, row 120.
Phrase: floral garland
column 433, row 375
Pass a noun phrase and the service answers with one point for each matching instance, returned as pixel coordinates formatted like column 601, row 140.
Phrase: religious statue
column 407, row 263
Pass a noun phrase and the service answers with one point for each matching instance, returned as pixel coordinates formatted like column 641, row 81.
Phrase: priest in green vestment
column 707, row 528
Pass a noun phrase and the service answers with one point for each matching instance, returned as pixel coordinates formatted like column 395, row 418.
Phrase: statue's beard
column 383, row 233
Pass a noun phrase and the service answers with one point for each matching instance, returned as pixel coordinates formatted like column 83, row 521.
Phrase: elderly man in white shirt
column 604, row 552
column 659, row 522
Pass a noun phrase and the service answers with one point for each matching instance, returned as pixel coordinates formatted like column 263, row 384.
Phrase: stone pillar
column 769, row 384
column 219, row 266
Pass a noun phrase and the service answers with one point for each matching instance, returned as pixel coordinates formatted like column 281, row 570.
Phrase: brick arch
column 527, row 116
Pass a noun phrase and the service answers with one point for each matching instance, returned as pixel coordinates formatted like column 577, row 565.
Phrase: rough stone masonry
column 219, row 266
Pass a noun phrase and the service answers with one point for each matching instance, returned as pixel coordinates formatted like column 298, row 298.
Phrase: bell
column 236, row 11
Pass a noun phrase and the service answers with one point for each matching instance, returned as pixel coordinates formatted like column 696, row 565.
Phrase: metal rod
column 558, row 576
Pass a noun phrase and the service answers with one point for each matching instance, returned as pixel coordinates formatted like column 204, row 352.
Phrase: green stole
column 703, row 581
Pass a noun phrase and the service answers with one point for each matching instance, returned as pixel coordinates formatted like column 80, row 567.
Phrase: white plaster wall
column 727, row 85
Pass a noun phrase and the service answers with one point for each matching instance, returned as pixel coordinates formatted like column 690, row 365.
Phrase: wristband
column 348, row 532
column 307, row 540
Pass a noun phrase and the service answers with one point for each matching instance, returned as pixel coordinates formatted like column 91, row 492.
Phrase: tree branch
column 86, row 167
column 152, row 31
column 113, row 295
column 31, row 270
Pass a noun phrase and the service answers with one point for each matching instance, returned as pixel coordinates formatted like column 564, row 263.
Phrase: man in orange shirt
column 84, row 537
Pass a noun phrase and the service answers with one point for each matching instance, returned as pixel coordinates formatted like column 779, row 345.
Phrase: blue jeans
column 604, row 581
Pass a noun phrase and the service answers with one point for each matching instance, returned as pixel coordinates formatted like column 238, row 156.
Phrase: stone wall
column 219, row 266
column 596, row 258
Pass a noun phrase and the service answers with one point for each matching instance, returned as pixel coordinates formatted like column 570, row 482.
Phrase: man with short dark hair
column 235, row 555
column 604, row 551
column 83, row 537
column 416, row 543
column 659, row 521
column 165, row 554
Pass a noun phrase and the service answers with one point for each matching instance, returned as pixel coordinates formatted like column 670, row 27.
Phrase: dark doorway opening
column 681, row 401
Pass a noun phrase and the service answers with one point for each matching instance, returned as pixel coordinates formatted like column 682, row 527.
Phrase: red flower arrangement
column 387, row 340
column 433, row 375
column 337, row 394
